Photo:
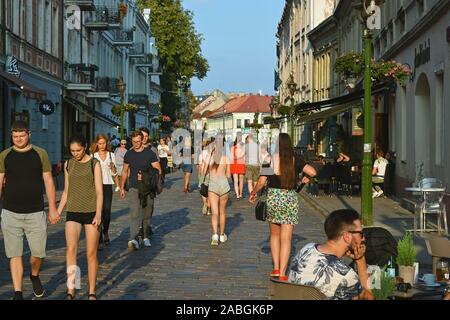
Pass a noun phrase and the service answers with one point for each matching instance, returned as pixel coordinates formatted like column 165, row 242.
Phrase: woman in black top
column 282, row 201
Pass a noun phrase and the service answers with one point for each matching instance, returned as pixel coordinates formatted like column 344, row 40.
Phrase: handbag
column 261, row 209
column 204, row 187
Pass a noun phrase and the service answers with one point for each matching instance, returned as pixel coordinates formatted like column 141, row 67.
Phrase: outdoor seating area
column 335, row 178
column 430, row 203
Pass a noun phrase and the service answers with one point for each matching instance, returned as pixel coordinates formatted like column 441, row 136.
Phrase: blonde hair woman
column 101, row 150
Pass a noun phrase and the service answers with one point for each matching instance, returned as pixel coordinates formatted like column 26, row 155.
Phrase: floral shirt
column 326, row 272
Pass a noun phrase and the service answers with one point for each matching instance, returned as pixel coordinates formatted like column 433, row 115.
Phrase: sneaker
column 374, row 194
column 215, row 240
column 380, row 193
column 17, row 295
column 38, row 290
column 133, row 245
column 117, row 189
column 147, row 242
column 223, row 238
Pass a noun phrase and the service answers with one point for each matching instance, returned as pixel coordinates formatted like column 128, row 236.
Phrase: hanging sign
column 47, row 107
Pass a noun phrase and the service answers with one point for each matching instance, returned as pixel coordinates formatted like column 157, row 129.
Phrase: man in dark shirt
column 23, row 168
column 138, row 159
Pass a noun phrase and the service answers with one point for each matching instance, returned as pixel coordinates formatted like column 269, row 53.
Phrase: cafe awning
column 336, row 105
column 28, row 90
column 90, row 112
column 325, row 114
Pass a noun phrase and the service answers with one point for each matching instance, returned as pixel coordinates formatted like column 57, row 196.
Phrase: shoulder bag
column 204, row 186
column 261, row 208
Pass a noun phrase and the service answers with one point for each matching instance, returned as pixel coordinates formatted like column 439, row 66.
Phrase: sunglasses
column 123, row 144
column 360, row 232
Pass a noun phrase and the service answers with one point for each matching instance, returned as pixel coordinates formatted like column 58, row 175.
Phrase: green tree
column 179, row 48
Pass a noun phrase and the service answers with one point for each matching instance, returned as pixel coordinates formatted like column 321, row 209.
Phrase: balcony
column 104, row 19
column 84, row 5
column 146, row 62
column 82, row 77
column 139, row 99
column 137, row 51
column 105, row 87
column 122, row 38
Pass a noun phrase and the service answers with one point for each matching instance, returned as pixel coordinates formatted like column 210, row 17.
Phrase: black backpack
column 380, row 246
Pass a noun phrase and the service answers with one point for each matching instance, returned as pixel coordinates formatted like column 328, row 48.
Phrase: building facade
column 31, row 73
column 111, row 42
column 294, row 49
column 417, row 33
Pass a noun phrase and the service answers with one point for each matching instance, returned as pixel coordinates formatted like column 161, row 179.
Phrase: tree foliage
column 179, row 48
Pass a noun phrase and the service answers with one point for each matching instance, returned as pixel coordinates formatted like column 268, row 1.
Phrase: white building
column 417, row 33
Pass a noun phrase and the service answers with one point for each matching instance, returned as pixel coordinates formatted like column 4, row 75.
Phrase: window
column 420, row 8
column 402, row 22
column 439, row 119
column 247, row 123
column 238, row 123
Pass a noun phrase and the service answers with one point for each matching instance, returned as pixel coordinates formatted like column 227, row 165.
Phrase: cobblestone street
column 180, row 264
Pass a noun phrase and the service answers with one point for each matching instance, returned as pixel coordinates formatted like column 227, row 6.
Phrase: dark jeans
column 106, row 212
column 163, row 162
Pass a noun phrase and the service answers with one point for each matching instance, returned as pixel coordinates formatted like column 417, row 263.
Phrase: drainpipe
column 4, row 88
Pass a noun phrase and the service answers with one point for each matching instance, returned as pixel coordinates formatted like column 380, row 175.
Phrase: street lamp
column 274, row 103
column 371, row 18
column 121, row 87
column 293, row 89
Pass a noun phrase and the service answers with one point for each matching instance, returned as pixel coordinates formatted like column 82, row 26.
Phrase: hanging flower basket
column 115, row 110
column 129, row 107
column 390, row 71
column 178, row 124
column 350, row 65
column 164, row 118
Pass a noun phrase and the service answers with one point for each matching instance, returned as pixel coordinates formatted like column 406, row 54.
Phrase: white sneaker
column 380, row 193
column 133, row 245
column 374, row 194
column 147, row 242
column 117, row 189
column 223, row 238
column 215, row 240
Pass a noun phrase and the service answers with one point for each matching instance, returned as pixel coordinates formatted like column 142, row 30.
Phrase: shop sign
column 12, row 66
column 47, row 107
column 357, row 122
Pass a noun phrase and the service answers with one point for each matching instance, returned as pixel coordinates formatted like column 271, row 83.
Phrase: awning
column 325, row 114
column 336, row 105
column 345, row 99
column 87, row 110
column 27, row 89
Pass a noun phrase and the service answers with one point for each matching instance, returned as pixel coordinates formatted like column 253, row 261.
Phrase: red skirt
column 237, row 168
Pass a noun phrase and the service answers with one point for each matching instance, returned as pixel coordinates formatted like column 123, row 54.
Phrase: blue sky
column 239, row 43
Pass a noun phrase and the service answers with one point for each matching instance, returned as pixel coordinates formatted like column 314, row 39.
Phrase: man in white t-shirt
column 378, row 171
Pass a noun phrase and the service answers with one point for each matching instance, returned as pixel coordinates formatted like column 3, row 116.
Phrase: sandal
column 92, row 295
column 70, row 296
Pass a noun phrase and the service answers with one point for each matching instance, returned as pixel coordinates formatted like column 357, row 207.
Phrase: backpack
column 380, row 246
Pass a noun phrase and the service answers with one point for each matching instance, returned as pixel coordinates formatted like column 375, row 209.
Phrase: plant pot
column 350, row 82
column 407, row 273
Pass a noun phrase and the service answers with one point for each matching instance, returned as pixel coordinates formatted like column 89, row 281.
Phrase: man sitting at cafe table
column 321, row 265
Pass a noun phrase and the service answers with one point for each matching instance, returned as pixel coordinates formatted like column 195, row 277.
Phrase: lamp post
column 292, row 87
column 370, row 17
column 121, row 87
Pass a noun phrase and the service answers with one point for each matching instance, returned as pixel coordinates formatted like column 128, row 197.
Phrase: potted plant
column 387, row 287
column 406, row 256
column 350, row 67
column 390, row 71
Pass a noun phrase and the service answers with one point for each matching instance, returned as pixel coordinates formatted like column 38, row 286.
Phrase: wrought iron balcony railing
column 137, row 51
column 122, row 38
column 104, row 18
column 139, row 99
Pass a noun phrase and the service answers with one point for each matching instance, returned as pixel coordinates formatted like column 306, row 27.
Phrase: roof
column 245, row 104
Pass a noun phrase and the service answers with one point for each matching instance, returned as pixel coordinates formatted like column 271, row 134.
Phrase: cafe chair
column 281, row 290
column 432, row 204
